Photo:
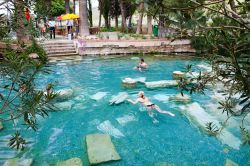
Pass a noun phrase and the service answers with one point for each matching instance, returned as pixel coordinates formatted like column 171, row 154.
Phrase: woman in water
column 148, row 104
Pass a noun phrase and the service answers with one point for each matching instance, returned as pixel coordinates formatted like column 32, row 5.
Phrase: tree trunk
column 67, row 6
column 106, row 9
column 149, row 21
column 109, row 21
column 100, row 14
column 90, row 13
column 116, row 21
column 124, row 26
column 161, row 26
column 74, row 6
column 130, row 21
column 22, row 29
column 100, row 20
column 83, row 12
column 139, row 23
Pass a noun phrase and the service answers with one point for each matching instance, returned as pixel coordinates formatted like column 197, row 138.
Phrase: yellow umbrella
column 69, row 16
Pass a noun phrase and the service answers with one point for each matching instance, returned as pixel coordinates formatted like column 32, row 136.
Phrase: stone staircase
column 58, row 48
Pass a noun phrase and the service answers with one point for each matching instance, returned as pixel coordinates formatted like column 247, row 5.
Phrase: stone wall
column 131, row 47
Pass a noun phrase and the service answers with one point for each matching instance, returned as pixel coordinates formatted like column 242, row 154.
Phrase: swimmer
column 141, row 65
column 149, row 105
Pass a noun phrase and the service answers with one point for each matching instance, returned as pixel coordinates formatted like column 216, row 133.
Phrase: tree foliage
column 19, row 96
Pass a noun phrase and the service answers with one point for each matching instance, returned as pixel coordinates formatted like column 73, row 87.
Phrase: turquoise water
column 139, row 141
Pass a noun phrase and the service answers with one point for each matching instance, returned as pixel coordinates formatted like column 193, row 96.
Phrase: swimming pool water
column 138, row 140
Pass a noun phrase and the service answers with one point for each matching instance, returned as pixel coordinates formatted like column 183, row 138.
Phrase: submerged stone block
column 100, row 149
column 98, row 95
column 230, row 163
column 18, row 162
column 161, row 164
column 161, row 84
column 180, row 98
column 121, row 97
column 71, row 162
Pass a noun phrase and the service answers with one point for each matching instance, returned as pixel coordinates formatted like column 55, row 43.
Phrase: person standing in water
column 141, row 65
column 148, row 104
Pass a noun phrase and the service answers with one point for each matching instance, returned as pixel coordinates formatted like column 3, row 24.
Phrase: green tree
column 57, row 8
column 19, row 97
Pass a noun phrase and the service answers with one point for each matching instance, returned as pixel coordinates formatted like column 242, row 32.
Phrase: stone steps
column 61, row 51
column 64, row 54
column 58, row 48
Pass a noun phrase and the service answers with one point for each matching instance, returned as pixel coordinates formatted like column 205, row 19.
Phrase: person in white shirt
column 52, row 25
column 69, row 26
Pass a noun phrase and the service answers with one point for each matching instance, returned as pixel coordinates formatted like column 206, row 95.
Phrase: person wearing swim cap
column 148, row 104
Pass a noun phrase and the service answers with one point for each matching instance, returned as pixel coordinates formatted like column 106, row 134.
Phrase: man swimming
column 148, row 104
column 141, row 65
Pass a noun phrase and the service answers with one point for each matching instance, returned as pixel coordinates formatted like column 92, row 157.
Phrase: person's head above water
column 142, row 60
column 141, row 94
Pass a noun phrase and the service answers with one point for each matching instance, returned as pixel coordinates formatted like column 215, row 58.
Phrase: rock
column 71, row 162
column 1, row 126
column 230, row 163
column 161, row 84
column 100, row 149
column 121, row 97
column 177, row 75
column 65, row 94
column 98, row 96
column 18, row 162
column 180, row 98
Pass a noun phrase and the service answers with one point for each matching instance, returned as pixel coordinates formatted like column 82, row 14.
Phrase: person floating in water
column 141, row 65
column 148, row 104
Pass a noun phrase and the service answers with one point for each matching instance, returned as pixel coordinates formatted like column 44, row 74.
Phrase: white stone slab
column 100, row 149
column 65, row 93
column 18, row 162
column 121, row 97
column 161, row 97
column 200, row 117
column 125, row 119
column 179, row 98
column 230, row 163
column 107, row 128
column 161, row 84
column 71, row 162
column 98, row 95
